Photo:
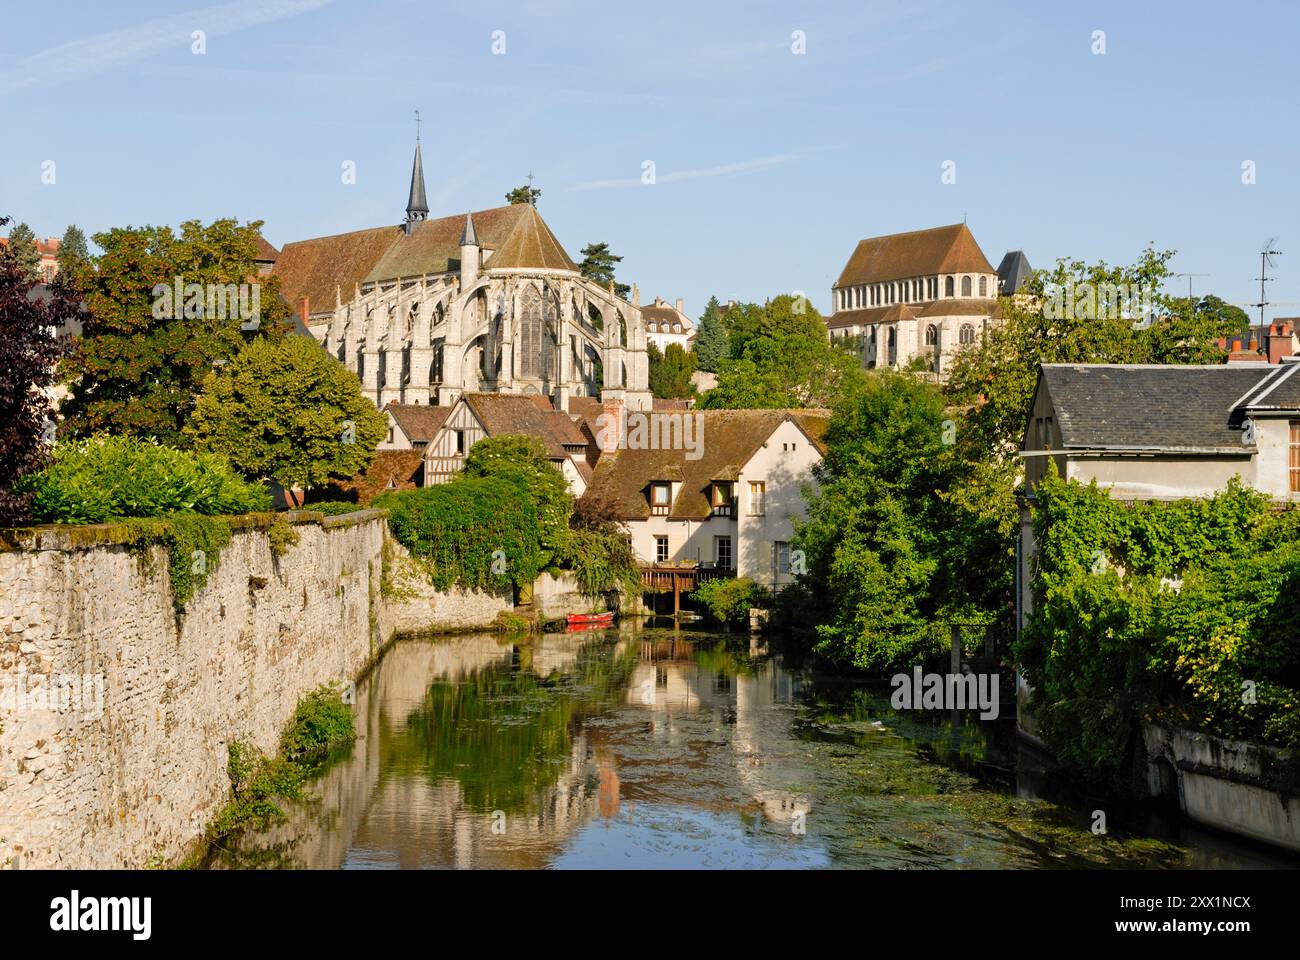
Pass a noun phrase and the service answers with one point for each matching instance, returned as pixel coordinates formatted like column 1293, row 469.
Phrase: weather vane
column 417, row 126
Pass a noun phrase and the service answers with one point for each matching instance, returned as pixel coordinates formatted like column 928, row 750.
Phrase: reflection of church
column 480, row 302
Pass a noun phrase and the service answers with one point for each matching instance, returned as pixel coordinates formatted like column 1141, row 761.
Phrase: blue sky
column 770, row 165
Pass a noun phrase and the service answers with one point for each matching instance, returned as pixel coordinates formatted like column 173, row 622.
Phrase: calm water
column 642, row 747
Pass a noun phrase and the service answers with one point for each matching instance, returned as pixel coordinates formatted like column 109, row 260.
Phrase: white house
column 665, row 324
column 727, row 500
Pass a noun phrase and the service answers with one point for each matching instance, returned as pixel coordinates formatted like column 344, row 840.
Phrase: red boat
column 590, row 619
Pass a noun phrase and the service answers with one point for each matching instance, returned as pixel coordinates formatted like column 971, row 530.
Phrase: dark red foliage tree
column 29, row 351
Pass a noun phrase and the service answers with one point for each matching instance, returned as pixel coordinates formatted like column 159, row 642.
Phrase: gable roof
column 420, row 422
column 730, row 440
column 1151, row 408
column 513, row 413
column 312, row 268
column 1279, row 392
column 898, row 256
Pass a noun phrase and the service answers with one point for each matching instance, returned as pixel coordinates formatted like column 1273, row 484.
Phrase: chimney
column 610, row 425
column 303, row 310
column 1279, row 343
column 681, row 306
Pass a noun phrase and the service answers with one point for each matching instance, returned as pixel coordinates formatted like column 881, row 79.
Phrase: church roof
column 312, row 268
column 1013, row 272
column 919, row 253
column 944, row 307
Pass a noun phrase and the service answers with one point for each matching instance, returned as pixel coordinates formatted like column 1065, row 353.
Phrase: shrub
column 475, row 531
column 727, row 599
column 114, row 478
column 321, row 722
column 333, row 508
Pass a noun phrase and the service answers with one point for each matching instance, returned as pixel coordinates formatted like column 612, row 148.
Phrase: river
column 657, row 747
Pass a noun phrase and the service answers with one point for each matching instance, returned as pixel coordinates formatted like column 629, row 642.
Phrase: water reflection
column 644, row 747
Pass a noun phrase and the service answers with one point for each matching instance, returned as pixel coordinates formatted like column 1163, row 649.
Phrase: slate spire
column 417, row 207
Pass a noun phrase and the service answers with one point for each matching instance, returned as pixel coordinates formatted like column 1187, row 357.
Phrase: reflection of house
column 727, row 499
column 666, row 324
column 1162, row 433
column 431, row 309
column 478, row 415
column 923, row 294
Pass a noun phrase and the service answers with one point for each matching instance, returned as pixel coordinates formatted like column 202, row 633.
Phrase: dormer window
column 720, row 499
column 661, row 495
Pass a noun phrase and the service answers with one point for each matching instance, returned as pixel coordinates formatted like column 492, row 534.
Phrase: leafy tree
column 287, row 411
column 670, row 371
column 22, row 246
column 523, row 461
column 525, row 194
column 28, row 355
column 73, row 254
column 995, row 380
column 889, row 550
column 598, row 264
column 711, row 338
column 783, row 358
column 142, row 357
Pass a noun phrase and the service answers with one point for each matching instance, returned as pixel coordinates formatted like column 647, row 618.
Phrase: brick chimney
column 610, row 426
column 1279, row 342
column 681, row 306
column 304, row 310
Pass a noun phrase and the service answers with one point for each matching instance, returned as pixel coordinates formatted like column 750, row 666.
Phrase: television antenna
column 1189, row 277
column 1266, row 255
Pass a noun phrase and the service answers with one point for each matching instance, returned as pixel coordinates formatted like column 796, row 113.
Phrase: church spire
column 417, row 207
column 469, row 238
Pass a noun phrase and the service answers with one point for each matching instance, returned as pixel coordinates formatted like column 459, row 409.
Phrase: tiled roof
column 266, row 252
column 1279, row 392
column 512, row 413
column 400, row 468
column 418, row 421
column 1013, row 272
column 312, row 268
column 730, row 439
column 1137, row 407
column 919, row 253
column 929, row 310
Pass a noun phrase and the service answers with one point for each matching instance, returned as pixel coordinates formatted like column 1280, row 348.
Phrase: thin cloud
column 745, row 166
column 95, row 54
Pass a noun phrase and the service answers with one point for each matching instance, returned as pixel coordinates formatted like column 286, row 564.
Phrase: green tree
column 889, row 551
column 670, row 371
column 73, row 254
column 525, row 194
column 783, row 358
column 598, row 265
column 141, row 359
column 1060, row 317
column 711, row 338
column 22, row 244
column 287, row 411
column 524, row 461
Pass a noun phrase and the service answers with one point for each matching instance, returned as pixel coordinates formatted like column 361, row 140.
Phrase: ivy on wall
column 1183, row 612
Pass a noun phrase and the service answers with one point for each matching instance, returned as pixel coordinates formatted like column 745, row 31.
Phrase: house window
column 757, row 498
column 722, row 552
column 661, row 549
column 782, row 558
column 660, row 498
column 390, row 434
column 967, row 335
column 721, row 499
column 460, row 441
column 1295, row 456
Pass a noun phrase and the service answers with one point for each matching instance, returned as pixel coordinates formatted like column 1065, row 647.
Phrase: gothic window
column 530, row 335
column 984, row 286
column 949, row 288
column 435, row 371
column 931, row 335
column 967, row 335
column 965, row 286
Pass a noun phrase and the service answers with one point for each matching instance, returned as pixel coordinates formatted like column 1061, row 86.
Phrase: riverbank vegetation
column 1183, row 613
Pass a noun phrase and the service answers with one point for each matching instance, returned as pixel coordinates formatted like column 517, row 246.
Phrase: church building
column 487, row 301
